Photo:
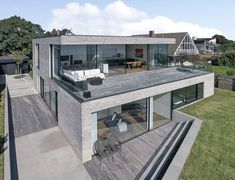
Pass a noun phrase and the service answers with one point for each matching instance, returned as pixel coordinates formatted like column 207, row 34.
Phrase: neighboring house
column 205, row 45
column 184, row 44
column 7, row 65
column 101, row 85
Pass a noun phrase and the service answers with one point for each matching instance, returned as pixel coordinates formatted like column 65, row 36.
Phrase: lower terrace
column 132, row 160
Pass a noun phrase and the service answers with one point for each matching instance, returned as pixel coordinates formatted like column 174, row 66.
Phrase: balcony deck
column 133, row 157
column 134, row 81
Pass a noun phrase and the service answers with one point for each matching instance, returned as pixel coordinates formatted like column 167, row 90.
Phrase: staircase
column 158, row 164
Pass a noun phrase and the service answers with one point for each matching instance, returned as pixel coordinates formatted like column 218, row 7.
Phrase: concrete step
column 162, row 157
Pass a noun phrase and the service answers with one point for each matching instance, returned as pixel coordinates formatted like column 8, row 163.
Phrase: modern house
column 184, row 45
column 205, row 45
column 122, row 85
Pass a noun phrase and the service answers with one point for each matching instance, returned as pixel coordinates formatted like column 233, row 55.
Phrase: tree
column 220, row 39
column 16, row 35
column 55, row 32
column 228, row 59
column 18, row 55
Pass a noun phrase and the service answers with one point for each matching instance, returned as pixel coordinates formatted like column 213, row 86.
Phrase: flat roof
column 6, row 59
column 135, row 81
column 99, row 39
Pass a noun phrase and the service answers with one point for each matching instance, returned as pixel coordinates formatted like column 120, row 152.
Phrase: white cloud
column 117, row 18
column 120, row 11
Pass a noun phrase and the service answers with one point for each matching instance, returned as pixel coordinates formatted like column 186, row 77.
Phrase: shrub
column 230, row 73
column 228, row 59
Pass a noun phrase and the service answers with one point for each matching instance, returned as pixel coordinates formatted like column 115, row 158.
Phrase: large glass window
column 187, row 95
column 56, row 61
column 37, row 56
column 200, row 91
column 91, row 56
column 157, row 55
column 191, row 94
column 124, row 121
column 161, row 110
column 112, row 58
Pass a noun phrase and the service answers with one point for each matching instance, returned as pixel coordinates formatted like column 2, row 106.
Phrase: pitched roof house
column 183, row 43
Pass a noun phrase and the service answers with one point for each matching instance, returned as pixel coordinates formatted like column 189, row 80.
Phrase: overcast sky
column 201, row 18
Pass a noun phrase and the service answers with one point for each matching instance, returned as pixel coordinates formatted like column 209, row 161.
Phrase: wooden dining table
column 131, row 64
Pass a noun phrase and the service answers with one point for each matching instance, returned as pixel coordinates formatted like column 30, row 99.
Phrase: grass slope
column 222, row 70
column 213, row 154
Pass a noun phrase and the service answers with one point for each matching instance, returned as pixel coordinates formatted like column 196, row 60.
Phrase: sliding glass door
column 125, row 121
column 187, row 95
column 157, row 56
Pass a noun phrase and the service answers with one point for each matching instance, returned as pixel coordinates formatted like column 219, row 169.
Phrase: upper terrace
column 135, row 81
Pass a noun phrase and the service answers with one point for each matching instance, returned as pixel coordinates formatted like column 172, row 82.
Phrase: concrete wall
column 104, row 103
column 69, row 109
column 114, row 40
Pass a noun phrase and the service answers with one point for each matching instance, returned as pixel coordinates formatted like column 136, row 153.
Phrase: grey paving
column 134, row 155
column 47, row 155
column 30, row 114
column 20, row 87
column 134, row 81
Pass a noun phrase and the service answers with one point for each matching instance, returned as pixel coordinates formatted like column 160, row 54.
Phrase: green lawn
column 213, row 153
column 222, row 70
column 1, row 129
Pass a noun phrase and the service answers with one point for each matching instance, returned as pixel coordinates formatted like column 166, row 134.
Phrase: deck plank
column 135, row 154
column 29, row 112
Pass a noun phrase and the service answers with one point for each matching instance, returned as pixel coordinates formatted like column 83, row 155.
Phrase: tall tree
column 16, row 34
column 58, row 32
column 220, row 39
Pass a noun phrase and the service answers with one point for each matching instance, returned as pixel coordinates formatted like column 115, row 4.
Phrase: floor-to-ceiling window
column 37, row 56
column 157, row 56
column 112, row 57
column 91, row 56
column 125, row 121
column 187, row 95
column 51, row 100
column 161, row 113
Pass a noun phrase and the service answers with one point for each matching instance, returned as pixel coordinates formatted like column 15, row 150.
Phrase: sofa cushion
column 96, row 71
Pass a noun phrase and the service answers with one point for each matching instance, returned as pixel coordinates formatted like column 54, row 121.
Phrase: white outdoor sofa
column 82, row 75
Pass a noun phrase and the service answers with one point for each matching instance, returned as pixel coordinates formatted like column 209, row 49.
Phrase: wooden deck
column 135, row 154
column 30, row 114
column 28, row 111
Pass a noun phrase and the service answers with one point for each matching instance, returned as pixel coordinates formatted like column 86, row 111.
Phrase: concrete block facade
column 69, row 109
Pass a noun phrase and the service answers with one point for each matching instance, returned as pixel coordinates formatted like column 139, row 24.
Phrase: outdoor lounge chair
column 114, row 144
column 112, row 122
column 102, row 149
